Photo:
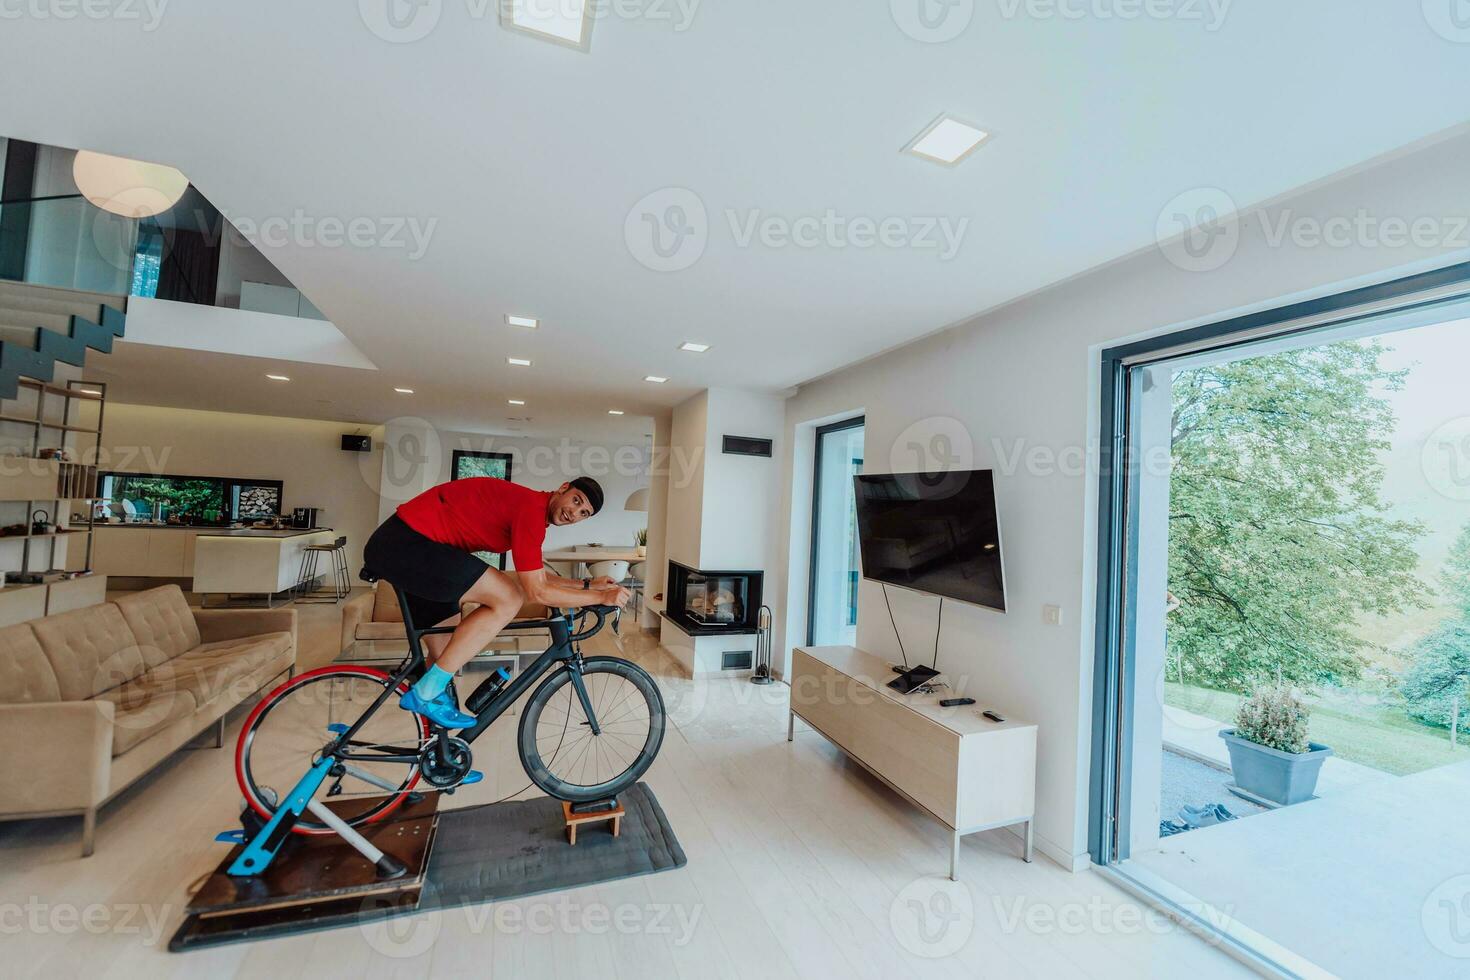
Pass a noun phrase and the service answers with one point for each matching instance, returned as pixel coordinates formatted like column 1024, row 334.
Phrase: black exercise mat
column 511, row 850
column 481, row 854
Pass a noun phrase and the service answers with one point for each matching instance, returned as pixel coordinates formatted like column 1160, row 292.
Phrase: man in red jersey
column 427, row 549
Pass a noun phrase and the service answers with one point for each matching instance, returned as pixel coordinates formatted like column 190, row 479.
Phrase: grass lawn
column 1369, row 734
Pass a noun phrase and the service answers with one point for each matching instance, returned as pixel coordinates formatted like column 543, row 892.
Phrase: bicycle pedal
column 337, row 728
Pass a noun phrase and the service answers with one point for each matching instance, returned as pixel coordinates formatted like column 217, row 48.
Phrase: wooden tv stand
column 969, row 773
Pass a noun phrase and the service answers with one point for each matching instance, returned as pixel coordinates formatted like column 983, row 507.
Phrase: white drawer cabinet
column 970, row 773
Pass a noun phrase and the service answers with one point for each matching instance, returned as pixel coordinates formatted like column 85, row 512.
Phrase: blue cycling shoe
column 440, row 711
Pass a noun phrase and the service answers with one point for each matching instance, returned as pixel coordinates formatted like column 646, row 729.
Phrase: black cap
column 591, row 489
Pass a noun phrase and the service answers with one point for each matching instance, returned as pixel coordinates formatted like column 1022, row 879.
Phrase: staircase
column 40, row 325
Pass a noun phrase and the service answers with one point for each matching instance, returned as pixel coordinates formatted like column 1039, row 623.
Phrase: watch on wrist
column 586, row 584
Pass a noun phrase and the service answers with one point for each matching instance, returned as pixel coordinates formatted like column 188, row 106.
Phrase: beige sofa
column 91, row 700
column 375, row 616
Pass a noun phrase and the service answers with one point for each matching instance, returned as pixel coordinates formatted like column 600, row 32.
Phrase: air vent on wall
column 747, row 446
column 735, row 660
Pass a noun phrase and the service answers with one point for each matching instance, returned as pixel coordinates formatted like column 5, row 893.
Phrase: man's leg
column 499, row 597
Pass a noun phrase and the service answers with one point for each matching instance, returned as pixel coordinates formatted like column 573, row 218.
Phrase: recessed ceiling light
column 614, row 411
column 694, row 348
column 278, row 377
column 947, row 140
column 529, row 322
column 404, row 391
column 567, row 22
column 515, row 401
column 518, row 361
column 654, row 379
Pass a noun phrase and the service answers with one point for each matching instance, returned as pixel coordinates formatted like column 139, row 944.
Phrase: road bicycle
column 589, row 730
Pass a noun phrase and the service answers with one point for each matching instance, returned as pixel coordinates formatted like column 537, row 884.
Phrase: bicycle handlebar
column 602, row 613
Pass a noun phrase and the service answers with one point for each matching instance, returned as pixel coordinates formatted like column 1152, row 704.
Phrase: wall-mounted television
column 932, row 532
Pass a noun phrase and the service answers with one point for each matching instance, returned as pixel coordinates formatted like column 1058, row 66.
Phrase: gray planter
column 1281, row 777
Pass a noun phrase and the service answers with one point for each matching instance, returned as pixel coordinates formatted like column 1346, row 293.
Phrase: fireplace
column 704, row 602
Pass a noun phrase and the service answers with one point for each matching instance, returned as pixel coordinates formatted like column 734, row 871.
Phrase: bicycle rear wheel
column 286, row 733
column 556, row 744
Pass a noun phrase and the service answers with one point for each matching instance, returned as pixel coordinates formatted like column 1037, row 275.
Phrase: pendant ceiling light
column 131, row 188
column 637, row 500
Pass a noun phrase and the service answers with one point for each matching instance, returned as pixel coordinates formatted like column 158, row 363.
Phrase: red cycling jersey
column 481, row 513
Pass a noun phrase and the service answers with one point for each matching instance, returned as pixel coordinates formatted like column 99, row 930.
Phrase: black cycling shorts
column 434, row 576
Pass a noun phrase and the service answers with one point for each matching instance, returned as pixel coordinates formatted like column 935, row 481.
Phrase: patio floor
column 1370, row 880
column 1189, row 782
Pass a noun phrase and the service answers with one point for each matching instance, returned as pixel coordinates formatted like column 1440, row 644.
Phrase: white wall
column 656, row 568
column 305, row 454
column 741, row 525
column 1017, row 390
column 688, row 431
column 722, row 510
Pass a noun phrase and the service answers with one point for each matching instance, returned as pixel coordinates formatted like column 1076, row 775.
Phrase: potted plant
column 1270, row 755
column 640, row 538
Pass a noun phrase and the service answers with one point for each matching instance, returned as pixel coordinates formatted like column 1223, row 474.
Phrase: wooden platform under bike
column 314, row 879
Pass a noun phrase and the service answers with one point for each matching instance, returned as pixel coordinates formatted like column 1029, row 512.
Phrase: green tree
column 1279, row 536
column 1434, row 686
column 1455, row 577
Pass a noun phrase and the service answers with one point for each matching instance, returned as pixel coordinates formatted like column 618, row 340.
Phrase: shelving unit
column 37, row 481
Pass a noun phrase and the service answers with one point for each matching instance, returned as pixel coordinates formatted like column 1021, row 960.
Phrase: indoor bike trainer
column 359, row 819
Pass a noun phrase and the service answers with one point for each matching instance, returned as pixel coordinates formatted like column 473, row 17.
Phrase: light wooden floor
column 800, row 865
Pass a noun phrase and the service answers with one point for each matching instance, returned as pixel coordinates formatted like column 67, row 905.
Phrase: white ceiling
column 527, row 158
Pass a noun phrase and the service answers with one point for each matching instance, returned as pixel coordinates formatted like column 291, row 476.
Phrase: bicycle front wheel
column 557, row 745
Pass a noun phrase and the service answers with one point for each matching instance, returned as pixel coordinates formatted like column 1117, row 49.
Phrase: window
column 466, row 463
column 832, row 601
column 1283, row 527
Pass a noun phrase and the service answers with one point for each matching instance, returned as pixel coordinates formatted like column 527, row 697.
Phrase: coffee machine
column 305, row 517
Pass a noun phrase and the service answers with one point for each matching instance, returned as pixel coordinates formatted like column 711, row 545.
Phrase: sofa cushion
column 91, row 650
column 25, row 673
column 385, row 604
column 210, row 670
column 161, row 621
column 142, row 708
column 379, row 631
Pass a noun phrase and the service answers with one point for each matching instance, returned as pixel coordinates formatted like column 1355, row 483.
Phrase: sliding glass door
column 1283, row 672
column 832, row 605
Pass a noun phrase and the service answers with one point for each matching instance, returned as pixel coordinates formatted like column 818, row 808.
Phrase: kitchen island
column 172, row 551
column 251, row 561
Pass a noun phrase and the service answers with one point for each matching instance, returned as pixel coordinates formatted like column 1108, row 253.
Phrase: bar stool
column 341, row 582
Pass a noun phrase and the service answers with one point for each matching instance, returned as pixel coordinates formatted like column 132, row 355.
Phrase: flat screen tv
column 933, row 532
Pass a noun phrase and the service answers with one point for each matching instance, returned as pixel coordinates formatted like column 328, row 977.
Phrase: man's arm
column 549, row 589
column 599, row 582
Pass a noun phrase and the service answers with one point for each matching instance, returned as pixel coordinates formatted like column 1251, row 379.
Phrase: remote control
column 992, row 716
column 954, row 702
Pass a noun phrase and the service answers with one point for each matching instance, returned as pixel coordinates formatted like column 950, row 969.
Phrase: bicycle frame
column 563, row 650
column 260, row 850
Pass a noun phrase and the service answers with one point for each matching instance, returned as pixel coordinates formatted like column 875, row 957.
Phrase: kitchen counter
column 236, row 561
column 171, row 550
column 259, row 532
column 215, row 531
